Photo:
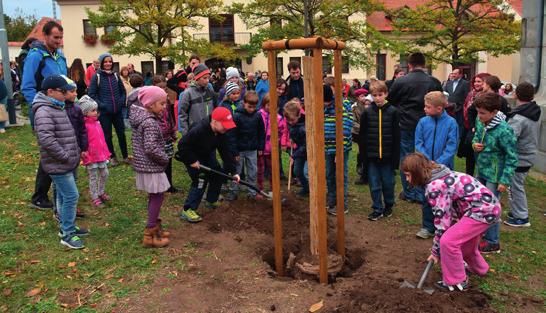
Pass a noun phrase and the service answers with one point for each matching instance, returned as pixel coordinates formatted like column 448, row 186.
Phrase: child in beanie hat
column 231, row 99
column 149, row 95
column 199, row 71
column 232, row 72
column 97, row 155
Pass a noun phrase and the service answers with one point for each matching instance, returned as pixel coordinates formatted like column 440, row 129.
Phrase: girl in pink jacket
column 97, row 155
column 463, row 210
column 264, row 160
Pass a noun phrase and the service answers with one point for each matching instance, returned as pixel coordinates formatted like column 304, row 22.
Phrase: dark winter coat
column 298, row 136
column 76, row 117
column 294, row 88
column 59, row 151
column 110, row 95
column 408, row 95
column 250, row 130
column 148, row 144
column 380, row 134
column 200, row 144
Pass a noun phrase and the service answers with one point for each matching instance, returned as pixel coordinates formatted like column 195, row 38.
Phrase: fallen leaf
column 120, row 280
column 8, row 273
column 71, row 264
column 7, row 292
column 35, row 261
column 317, row 306
column 154, row 261
column 65, row 305
column 34, row 292
column 109, row 276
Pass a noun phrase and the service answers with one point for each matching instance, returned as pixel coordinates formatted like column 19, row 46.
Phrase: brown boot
column 152, row 240
column 162, row 233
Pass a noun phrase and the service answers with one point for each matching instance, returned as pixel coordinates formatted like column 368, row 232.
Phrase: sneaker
column 361, row 181
column 105, row 197
column 79, row 213
column 231, row 196
column 517, row 222
column 42, row 205
column 190, row 216
column 458, row 287
column 374, row 216
column 80, row 231
column 424, row 234
column 114, row 162
column 258, row 197
column 387, row 212
column 486, row 247
column 212, row 205
column 97, row 203
column 73, row 242
column 332, row 210
column 173, row 190
column 510, row 215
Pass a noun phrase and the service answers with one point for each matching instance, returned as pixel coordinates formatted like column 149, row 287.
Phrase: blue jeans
column 493, row 232
column 381, row 182
column 300, row 168
column 199, row 182
column 331, row 178
column 407, row 146
column 67, row 200
column 427, row 218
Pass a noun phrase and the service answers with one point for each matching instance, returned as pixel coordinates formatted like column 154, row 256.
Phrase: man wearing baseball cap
column 198, row 146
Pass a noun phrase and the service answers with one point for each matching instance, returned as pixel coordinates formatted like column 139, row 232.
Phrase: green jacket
column 498, row 160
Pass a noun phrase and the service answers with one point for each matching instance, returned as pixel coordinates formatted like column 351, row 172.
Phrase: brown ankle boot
column 162, row 233
column 152, row 240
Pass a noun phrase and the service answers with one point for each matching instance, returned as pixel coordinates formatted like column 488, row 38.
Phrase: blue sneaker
column 73, row 242
column 517, row 222
column 80, row 231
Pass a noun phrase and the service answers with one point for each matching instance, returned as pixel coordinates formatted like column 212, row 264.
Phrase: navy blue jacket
column 250, row 130
column 437, row 138
column 298, row 136
column 75, row 115
column 110, row 94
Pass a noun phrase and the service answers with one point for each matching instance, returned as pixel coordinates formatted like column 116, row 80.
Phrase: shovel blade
column 428, row 290
column 407, row 284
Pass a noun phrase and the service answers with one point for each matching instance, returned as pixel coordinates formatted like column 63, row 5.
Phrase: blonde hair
column 377, row 86
column 292, row 108
column 436, row 98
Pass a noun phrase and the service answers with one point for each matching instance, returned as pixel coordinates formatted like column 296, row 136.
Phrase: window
column 381, row 66
column 115, row 67
column 166, row 65
column 326, row 65
column 280, row 67
column 344, row 65
column 109, row 29
column 222, row 31
column 88, row 28
column 147, row 66
column 404, row 62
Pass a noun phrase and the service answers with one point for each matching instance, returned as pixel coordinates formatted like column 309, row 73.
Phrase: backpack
column 98, row 78
column 38, row 77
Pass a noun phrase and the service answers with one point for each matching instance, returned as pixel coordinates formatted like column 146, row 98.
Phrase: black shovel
column 242, row 182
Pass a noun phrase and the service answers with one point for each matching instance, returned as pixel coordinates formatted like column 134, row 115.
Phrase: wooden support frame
column 314, row 109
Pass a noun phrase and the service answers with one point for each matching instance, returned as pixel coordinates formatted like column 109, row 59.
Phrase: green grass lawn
column 37, row 274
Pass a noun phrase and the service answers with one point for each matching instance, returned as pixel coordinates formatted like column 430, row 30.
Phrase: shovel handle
column 425, row 274
column 242, row 182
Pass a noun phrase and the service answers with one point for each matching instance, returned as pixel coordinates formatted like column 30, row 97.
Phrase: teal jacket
column 498, row 160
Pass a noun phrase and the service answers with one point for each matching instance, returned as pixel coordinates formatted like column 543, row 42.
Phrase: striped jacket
column 330, row 128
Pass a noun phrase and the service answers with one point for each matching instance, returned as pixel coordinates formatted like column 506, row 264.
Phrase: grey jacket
column 148, row 144
column 196, row 104
column 59, row 151
column 525, row 121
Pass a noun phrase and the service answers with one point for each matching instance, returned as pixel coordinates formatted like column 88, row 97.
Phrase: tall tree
column 20, row 25
column 454, row 31
column 340, row 19
column 159, row 28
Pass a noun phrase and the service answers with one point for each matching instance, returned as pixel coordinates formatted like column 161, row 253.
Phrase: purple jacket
column 148, row 144
column 453, row 195
column 76, row 117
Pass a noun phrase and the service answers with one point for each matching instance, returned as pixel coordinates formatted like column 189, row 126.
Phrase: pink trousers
column 460, row 242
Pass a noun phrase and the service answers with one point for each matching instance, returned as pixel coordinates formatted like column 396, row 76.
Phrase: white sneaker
column 424, row 234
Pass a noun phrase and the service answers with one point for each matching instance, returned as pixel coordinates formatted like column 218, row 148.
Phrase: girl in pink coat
column 463, row 210
column 264, row 160
column 97, row 155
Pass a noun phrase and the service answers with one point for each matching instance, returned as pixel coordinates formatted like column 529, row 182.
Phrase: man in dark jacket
column 407, row 94
column 294, row 83
column 198, row 146
column 457, row 88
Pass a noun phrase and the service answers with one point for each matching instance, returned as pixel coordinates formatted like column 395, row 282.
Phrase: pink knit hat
column 151, row 94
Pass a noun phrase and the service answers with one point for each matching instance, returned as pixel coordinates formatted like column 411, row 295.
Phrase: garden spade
column 269, row 196
column 407, row 284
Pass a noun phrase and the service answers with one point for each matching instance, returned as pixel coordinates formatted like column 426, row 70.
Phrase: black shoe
column 42, row 204
column 374, row 216
column 361, row 181
column 173, row 190
column 387, row 212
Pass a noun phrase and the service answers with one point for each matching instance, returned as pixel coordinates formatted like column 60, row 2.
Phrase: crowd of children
column 457, row 209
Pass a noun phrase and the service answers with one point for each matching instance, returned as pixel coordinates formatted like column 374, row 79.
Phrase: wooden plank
column 340, row 205
column 276, row 180
column 304, row 43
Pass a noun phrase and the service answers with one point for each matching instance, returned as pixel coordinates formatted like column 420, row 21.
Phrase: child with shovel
column 463, row 210
column 198, row 147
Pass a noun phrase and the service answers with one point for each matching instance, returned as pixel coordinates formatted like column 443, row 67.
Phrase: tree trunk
column 158, row 68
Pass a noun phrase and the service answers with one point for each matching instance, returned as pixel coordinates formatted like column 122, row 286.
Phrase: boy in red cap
column 198, row 147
